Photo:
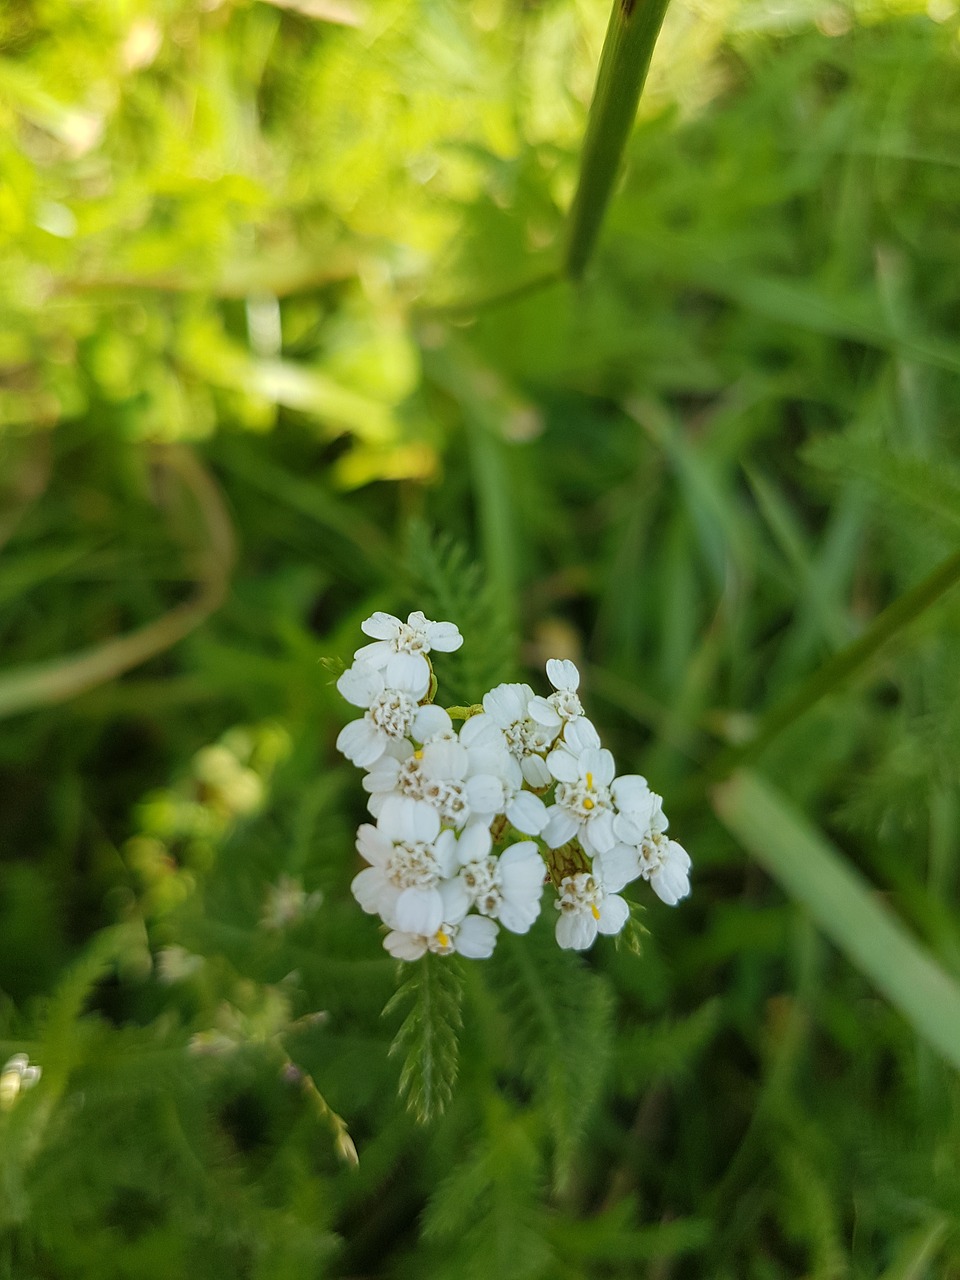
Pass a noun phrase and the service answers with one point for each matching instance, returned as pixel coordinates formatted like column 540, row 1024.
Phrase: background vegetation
column 283, row 340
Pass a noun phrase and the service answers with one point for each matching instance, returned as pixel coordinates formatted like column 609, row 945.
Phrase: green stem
column 842, row 665
column 627, row 50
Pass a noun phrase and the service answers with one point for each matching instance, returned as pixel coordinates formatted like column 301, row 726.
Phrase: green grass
column 722, row 472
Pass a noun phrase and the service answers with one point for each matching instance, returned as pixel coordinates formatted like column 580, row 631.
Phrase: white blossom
column 564, row 704
column 528, row 741
column 463, row 777
column 507, row 888
column 409, row 859
column 417, row 636
column 583, row 802
column 474, row 938
column 586, row 908
column 641, row 823
column 390, row 699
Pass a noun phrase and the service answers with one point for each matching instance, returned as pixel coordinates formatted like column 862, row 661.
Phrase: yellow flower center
column 596, row 910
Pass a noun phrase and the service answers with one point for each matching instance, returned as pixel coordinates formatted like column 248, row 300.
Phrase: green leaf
column 427, row 1037
column 562, row 1031
column 844, row 906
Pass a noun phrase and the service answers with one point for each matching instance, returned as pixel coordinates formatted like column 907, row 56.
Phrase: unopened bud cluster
column 472, row 823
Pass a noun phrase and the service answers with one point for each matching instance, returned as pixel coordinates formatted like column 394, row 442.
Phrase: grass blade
column 844, row 906
column 627, row 50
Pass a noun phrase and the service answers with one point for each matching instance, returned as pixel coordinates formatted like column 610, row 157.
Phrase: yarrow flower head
column 472, row 821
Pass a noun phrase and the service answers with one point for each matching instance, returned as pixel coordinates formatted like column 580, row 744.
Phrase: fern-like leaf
column 449, row 584
column 561, row 1028
column 427, row 1038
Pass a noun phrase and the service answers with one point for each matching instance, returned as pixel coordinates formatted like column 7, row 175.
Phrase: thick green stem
column 627, row 50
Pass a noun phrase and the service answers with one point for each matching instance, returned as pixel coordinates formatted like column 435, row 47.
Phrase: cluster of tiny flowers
column 473, row 822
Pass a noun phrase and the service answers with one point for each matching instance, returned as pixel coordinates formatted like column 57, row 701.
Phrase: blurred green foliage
column 310, row 245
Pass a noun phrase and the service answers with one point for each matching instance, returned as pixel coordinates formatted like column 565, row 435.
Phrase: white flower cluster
column 448, row 864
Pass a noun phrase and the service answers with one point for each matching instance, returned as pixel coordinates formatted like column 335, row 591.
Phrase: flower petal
column 539, row 709
column 360, row 684
column 528, row 813
column 373, row 845
column 534, row 769
column 576, row 930
column 560, row 828
column 614, row 914
column 408, row 673
column 361, row 742
column 564, row 765
column 475, row 843
column 476, row 938
column 405, row 946
column 445, row 760
column 562, row 674
column 419, row 911
column 445, row 637
column 632, row 793
column 580, row 735
column 431, row 720
column 381, row 626
column 617, row 866
column 456, row 900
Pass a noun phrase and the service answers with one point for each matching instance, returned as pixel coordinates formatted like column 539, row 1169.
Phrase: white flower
column 642, row 823
column 417, row 636
column 507, row 888
column 669, row 872
column 586, row 909
column 506, row 705
column 409, row 859
column 583, row 804
column 563, row 705
column 475, row 938
column 463, row 778
column 17, row 1076
column 390, row 698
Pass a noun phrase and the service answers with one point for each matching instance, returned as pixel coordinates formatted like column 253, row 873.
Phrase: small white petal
column 383, row 776
column 484, row 794
column 405, row 946
column 475, row 843
column 445, row 852
column 560, row 827
column 522, row 871
column 480, row 731
column 456, row 900
column 631, row 793
column 671, row 881
column 617, row 866
column 580, row 735
column 376, row 654
column 360, row 684
column 362, row 742
column 408, row 673
column 373, row 845
column 614, row 914
column 519, row 914
column 507, row 703
column 534, row 769
column 564, row 765
column 539, row 709
column 528, row 813
column 419, row 911
column 381, row 626
column 431, row 720
column 562, row 674
column 367, row 887
column 476, row 938
column 576, row 930
column 407, row 820
column 445, row 637
column 445, row 760
column 597, row 834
